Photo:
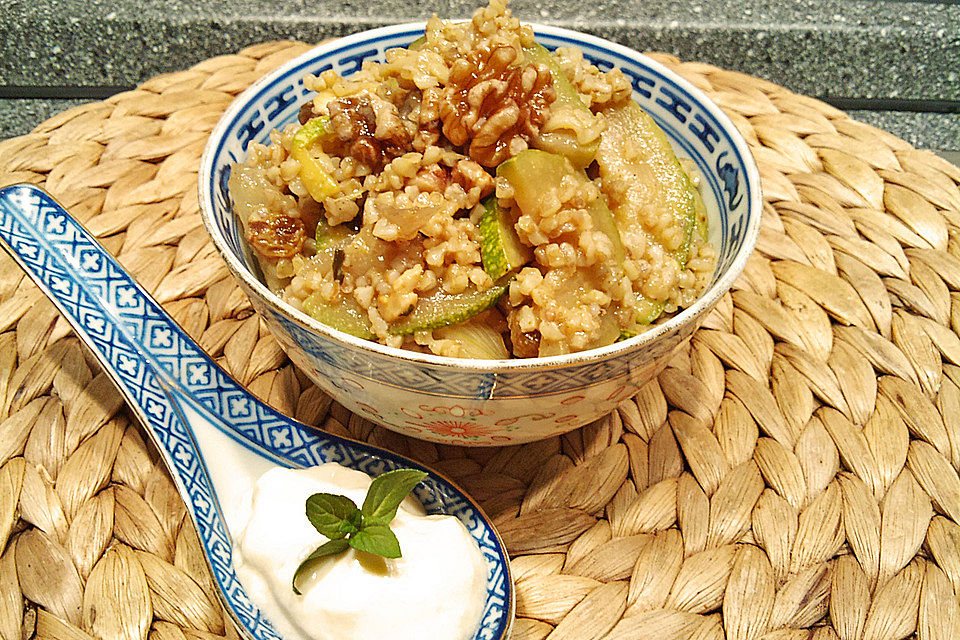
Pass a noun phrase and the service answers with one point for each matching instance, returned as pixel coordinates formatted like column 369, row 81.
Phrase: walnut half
column 494, row 104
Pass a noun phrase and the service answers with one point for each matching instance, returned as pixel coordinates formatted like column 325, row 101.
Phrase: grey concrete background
column 867, row 48
column 894, row 62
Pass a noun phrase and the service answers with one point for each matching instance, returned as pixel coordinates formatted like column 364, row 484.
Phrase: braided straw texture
column 792, row 475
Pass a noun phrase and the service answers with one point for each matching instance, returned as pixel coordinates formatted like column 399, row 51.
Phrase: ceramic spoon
column 214, row 436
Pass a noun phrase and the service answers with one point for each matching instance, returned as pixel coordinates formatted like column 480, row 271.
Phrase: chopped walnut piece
column 494, row 104
column 470, row 175
column 277, row 237
column 431, row 178
column 425, row 114
column 373, row 135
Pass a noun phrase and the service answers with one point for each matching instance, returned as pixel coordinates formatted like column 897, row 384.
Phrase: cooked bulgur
column 476, row 196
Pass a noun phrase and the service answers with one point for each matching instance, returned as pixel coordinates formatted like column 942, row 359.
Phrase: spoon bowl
column 214, row 436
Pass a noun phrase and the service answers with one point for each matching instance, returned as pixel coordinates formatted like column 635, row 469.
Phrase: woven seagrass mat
column 793, row 474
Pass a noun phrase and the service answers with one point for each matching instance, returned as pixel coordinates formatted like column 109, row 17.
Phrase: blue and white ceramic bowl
column 486, row 402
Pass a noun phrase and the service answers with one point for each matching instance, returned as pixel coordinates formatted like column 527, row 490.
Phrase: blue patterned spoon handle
column 155, row 364
column 145, row 353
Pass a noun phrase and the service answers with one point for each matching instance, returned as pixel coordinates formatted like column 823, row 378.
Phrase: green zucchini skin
column 347, row 316
column 442, row 309
column 500, row 248
column 655, row 168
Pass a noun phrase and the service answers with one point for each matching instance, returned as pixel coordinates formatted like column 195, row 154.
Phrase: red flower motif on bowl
column 456, row 428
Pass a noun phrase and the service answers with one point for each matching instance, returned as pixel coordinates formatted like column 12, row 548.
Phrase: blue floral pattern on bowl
column 502, row 401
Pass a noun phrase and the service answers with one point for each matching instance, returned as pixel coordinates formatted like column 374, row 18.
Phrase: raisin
column 280, row 237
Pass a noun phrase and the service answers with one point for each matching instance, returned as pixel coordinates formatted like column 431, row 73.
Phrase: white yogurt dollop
column 436, row 590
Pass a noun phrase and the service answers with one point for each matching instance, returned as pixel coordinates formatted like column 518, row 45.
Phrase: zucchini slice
column 634, row 148
column 347, row 316
column 647, row 311
column 603, row 220
column 500, row 247
column 566, row 92
column 532, row 173
column 442, row 309
column 609, row 330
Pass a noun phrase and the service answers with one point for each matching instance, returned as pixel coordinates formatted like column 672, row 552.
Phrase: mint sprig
column 364, row 528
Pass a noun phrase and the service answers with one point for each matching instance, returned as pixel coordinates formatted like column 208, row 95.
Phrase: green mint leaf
column 332, row 515
column 365, row 529
column 329, row 548
column 378, row 539
column 355, row 520
column 386, row 493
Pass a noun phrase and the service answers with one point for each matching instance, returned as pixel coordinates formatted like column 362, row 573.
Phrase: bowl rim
column 686, row 316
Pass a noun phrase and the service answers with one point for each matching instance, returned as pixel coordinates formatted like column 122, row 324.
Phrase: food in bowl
column 476, row 195
column 466, row 400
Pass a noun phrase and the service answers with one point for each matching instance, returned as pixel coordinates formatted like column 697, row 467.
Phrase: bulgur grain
column 411, row 147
